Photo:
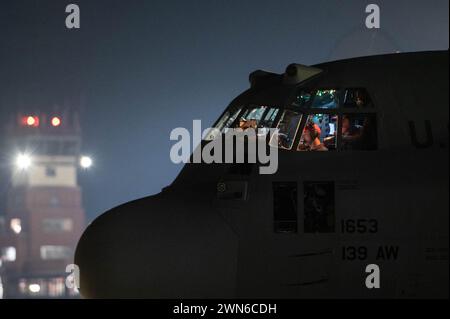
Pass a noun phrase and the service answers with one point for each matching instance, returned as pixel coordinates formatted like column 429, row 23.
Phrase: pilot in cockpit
column 360, row 99
column 245, row 124
column 311, row 139
column 357, row 98
column 351, row 134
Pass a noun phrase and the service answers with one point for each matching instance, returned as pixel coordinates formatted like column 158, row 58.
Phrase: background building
column 43, row 216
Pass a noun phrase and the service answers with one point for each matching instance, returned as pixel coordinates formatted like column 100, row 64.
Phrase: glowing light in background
column 30, row 120
column 1, row 286
column 34, row 288
column 9, row 254
column 56, row 121
column 23, row 161
column 85, row 162
column 16, row 225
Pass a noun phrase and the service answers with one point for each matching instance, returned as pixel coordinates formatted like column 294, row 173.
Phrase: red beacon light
column 56, row 121
column 30, row 120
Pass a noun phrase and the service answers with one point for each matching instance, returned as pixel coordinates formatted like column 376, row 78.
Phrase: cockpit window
column 325, row 99
column 251, row 117
column 244, row 118
column 269, row 118
column 331, row 98
column 319, row 133
column 255, row 117
column 225, row 121
column 323, row 109
column 356, row 98
column 304, row 98
column 287, row 129
column 359, row 132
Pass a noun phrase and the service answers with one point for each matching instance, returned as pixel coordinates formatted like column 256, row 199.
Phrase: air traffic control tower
column 43, row 216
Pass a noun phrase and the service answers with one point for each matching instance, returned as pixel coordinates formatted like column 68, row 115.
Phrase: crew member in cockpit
column 350, row 133
column 360, row 99
column 245, row 124
column 311, row 139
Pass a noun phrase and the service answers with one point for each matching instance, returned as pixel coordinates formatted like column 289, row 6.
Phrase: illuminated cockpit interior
column 328, row 119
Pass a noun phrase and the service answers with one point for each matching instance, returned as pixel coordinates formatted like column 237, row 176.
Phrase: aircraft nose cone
column 158, row 248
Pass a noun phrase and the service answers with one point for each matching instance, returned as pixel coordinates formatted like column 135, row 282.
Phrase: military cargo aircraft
column 362, row 180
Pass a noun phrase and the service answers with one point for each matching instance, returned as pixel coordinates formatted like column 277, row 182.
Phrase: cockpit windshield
column 318, row 99
column 326, row 119
column 332, row 98
column 287, row 129
column 244, row 118
column 319, row 133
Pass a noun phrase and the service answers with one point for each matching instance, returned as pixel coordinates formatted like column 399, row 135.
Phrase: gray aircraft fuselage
column 390, row 206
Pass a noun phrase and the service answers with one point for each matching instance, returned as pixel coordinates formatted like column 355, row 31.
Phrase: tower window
column 9, row 254
column 57, row 225
column 285, row 207
column 49, row 252
column 2, row 225
column 50, row 171
column 54, row 201
column 16, row 225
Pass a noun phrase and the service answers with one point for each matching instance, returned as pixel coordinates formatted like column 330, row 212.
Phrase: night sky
column 137, row 69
